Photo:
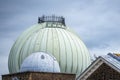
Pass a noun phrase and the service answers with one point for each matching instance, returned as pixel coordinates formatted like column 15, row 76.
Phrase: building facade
column 103, row 68
column 38, row 76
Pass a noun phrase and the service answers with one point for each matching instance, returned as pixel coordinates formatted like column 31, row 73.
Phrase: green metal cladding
column 50, row 37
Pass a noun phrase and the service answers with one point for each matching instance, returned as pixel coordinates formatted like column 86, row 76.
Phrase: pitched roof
column 113, row 61
column 110, row 59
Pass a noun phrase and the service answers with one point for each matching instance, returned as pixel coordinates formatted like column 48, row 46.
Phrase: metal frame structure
column 52, row 18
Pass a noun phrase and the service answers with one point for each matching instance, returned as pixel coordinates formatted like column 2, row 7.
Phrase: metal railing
column 52, row 18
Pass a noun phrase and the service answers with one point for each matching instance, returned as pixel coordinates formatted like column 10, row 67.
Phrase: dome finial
column 52, row 18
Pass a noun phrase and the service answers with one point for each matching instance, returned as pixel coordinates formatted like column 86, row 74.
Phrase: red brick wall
column 39, row 76
column 104, row 72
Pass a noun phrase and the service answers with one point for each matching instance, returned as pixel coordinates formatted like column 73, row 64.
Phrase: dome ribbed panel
column 79, row 55
column 55, row 44
column 74, row 50
column 38, row 41
column 13, row 56
column 70, row 52
column 49, row 43
column 63, row 55
column 85, row 57
column 44, row 41
column 13, row 63
column 26, row 51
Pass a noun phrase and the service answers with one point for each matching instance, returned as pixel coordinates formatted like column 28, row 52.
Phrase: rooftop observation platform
column 52, row 18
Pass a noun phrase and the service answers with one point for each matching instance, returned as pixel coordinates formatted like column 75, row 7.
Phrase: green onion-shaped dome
column 50, row 37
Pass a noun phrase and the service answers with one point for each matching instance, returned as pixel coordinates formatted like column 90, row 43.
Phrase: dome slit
column 82, row 62
column 47, row 31
column 36, row 42
column 49, row 41
column 52, row 42
column 40, row 39
column 58, row 46
column 84, row 57
column 43, row 41
column 69, row 39
column 68, row 52
column 65, row 50
column 76, row 49
column 20, row 57
column 32, row 44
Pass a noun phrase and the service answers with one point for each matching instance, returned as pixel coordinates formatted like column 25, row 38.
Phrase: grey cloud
column 98, row 29
column 3, row 65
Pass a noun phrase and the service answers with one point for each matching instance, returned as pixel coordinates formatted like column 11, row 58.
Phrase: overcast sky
column 96, row 21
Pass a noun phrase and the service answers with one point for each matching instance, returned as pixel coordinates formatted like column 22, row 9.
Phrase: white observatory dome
column 41, row 62
column 51, row 35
